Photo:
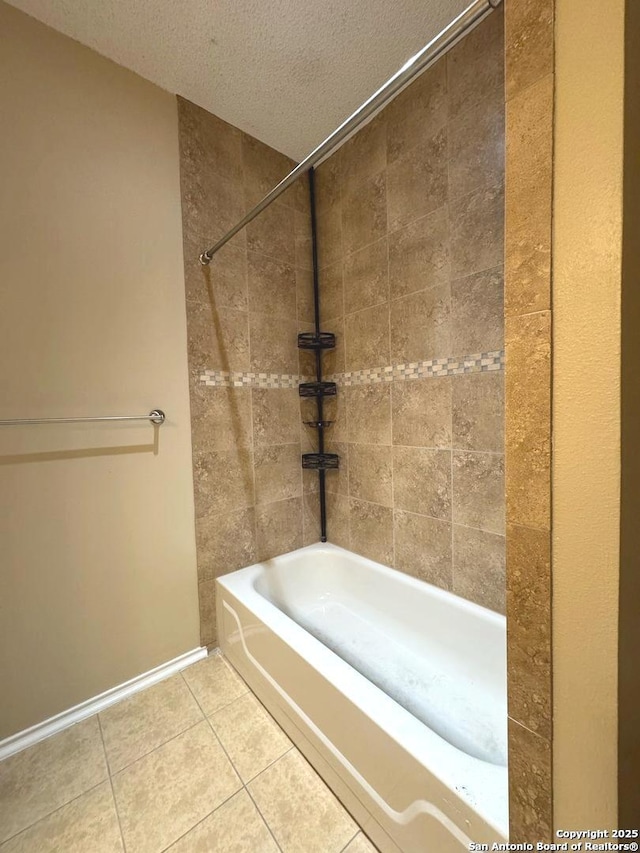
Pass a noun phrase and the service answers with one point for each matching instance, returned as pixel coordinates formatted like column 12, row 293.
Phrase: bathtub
column 394, row 690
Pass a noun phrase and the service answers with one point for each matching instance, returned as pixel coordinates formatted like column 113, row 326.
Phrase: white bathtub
column 431, row 779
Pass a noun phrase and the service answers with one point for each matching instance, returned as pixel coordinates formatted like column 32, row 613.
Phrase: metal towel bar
column 156, row 416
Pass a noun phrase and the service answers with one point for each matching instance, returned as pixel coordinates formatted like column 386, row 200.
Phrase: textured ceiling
column 285, row 71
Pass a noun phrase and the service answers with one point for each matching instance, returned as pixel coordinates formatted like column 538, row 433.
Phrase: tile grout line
column 51, row 813
column 201, row 821
column 110, row 777
column 156, row 748
column 243, row 785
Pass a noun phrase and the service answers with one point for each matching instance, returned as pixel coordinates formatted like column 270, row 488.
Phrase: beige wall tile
column 221, row 284
column 421, row 412
column 421, row 325
column 217, row 339
column 528, row 43
column 331, row 292
column 422, row 481
column 479, row 567
column 338, row 481
column 334, row 361
column 423, row 548
column 139, row 724
column 528, row 199
column 88, row 823
column 475, row 66
column 273, row 233
column 364, row 155
column 417, row 181
column 279, row 527
column 162, row 796
column 250, row 736
column 364, row 212
column 477, row 313
column 328, row 181
column 278, row 473
column 477, row 231
column 421, row 105
column 366, row 277
column 214, row 683
column 272, row 286
column 371, row 529
column 222, row 481
column 529, row 785
column 276, row 415
column 301, row 811
column 367, row 338
column 304, row 245
column 274, row 344
column 220, row 417
column 478, row 490
column 478, row 411
column 310, row 518
column 338, row 515
column 263, row 168
column 206, row 140
column 225, row 542
column 419, row 254
column 371, row 473
column 369, row 413
column 40, row 779
column 207, row 605
column 235, row 827
column 529, row 628
column 304, row 294
column 329, row 235
column 528, row 412
column 476, row 147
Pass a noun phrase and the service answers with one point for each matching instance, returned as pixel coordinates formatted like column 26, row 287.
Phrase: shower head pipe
column 429, row 54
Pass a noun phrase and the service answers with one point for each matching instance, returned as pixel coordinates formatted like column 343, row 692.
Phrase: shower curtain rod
column 429, row 54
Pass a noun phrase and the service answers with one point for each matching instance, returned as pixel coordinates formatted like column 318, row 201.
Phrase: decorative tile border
column 478, row 363
column 226, row 379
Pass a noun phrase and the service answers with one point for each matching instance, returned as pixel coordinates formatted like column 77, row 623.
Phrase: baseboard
column 21, row 740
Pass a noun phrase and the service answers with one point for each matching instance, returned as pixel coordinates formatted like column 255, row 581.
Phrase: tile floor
column 191, row 765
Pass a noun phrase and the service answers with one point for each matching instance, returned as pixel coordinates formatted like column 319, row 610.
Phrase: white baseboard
column 21, row 740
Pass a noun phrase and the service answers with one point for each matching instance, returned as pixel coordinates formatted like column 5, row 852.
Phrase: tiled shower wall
column 242, row 319
column 411, row 250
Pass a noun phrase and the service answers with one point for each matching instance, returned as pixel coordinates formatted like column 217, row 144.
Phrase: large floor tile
column 145, row 721
column 89, row 824
column 360, row 844
column 44, row 777
column 214, row 683
column 235, row 827
column 163, row 795
column 300, row 810
column 252, row 739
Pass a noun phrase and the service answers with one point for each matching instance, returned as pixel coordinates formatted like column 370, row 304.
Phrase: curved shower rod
column 429, row 54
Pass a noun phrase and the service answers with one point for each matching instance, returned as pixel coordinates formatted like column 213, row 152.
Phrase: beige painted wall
column 587, row 245
column 97, row 550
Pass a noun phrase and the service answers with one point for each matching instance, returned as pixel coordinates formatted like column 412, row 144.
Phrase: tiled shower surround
column 410, row 240
column 410, row 229
column 242, row 319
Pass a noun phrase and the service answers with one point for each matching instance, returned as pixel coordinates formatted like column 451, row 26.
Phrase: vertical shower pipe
column 318, row 352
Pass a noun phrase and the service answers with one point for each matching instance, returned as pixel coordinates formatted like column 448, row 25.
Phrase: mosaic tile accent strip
column 478, row 363
column 227, row 379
